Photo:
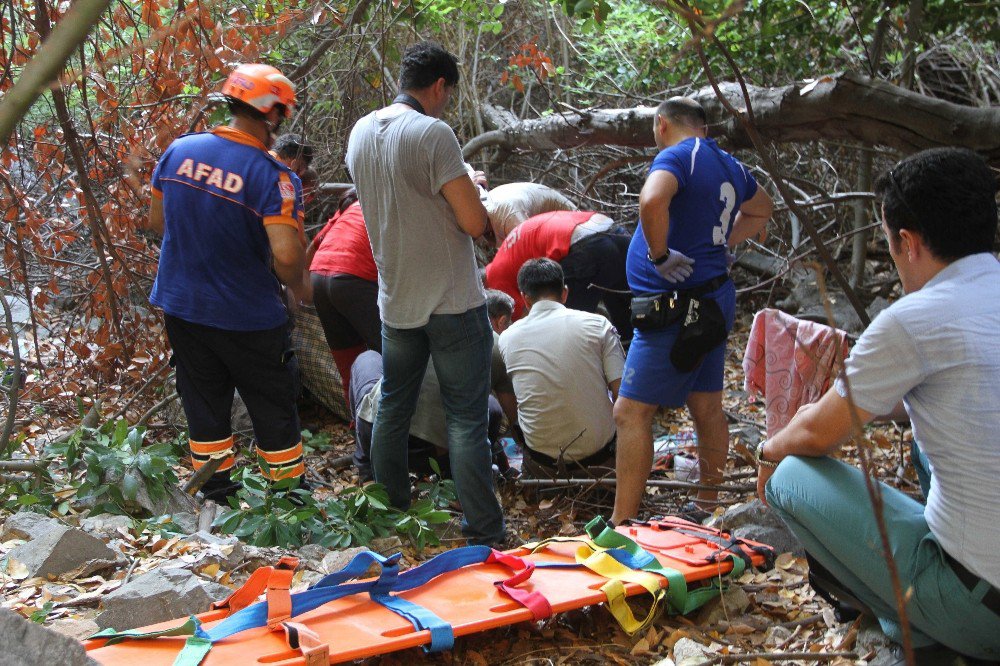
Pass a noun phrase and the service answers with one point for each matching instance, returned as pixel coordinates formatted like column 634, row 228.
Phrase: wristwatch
column 759, row 455
column 659, row 260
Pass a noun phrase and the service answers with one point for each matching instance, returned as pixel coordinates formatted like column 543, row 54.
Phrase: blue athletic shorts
column 651, row 378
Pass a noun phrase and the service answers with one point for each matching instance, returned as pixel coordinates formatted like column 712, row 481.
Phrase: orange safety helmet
column 260, row 86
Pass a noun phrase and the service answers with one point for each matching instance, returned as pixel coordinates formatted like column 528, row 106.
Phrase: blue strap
column 328, row 589
column 442, row 635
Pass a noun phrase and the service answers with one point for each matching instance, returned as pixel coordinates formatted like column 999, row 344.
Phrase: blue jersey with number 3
column 712, row 185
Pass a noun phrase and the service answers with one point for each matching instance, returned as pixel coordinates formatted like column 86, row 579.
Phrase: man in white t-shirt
column 936, row 350
column 566, row 367
column 422, row 211
column 511, row 204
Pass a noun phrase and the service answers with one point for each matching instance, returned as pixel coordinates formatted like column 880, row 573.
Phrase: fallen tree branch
column 655, row 483
column 34, row 466
column 47, row 62
column 15, row 384
column 199, row 478
column 155, row 408
column 839, row 106
column 782, row 656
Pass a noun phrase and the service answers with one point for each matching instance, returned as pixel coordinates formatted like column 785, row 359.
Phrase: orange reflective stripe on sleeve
column 281, row 219
column 287, row 202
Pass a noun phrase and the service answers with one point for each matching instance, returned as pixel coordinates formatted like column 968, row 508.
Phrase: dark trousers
column 348, row 309
column 211, row 363
column 365, row 374
column 595, row 272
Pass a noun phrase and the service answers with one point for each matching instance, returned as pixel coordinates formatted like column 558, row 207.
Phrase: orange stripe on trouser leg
column 282, row 457
column 219, row 446
column 286, row 472
column 202, row 452
column 226, row 465
column 283, row 464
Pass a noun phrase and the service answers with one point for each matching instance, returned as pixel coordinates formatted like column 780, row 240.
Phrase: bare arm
column 654, row 210
column 817, row 429
column 289, row 260
column 463, row 197
column 752, row 217
column 613, row 387
column 155, row 221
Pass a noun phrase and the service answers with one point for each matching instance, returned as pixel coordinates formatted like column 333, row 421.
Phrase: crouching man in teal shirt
column 936, row 350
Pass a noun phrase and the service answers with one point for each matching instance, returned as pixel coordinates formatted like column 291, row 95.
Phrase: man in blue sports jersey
column 698, row 202
column 229, row 215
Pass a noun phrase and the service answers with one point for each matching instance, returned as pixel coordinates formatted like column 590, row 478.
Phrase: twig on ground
column 679, row 485
column 782, row 656
column 199, row 478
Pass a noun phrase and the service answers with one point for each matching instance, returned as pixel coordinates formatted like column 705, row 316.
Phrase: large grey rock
column 158, row 596
column 77, row 629
column 311, row 555
column 186, row 521
column 688, row 652
column 27, row 525
column 26, row 643
column 63, row 551
column 106, row 526
column 229, row 549
column 730, row 604
column 338, row 559
column 755, row 521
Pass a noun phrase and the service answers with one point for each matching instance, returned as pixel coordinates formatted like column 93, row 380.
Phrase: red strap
column 308, row 642
column 534, row 601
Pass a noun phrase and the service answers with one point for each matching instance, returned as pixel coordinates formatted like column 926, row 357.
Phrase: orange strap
column 279, row 599
column 308, row 642
column 259, row 581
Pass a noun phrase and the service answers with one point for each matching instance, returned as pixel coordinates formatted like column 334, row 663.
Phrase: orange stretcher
column 669, row 558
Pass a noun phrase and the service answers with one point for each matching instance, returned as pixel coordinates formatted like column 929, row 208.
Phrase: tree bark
column 846, row 106
column 48, row 62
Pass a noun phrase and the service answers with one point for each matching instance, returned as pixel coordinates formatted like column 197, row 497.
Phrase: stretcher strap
column 308, row 642
column 254, row 587
column 188, row 628
column 334, row 587
column 534, row 601
column 442, row 635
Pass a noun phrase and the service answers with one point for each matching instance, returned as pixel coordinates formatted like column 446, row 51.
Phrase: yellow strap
column 617, row 574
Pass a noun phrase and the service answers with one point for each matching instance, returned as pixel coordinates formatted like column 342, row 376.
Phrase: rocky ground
column 79, row 573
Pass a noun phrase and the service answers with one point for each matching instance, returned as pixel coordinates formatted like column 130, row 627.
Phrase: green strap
column 195, row 649
column 113, row 636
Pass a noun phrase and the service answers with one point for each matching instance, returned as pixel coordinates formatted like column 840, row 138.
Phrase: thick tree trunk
column 844, row 106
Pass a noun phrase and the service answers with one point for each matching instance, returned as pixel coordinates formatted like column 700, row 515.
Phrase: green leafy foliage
column 109, row 466
column 266, row 513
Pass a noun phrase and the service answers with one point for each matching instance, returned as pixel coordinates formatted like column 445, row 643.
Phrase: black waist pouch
column 657, row 311
column 703, row 329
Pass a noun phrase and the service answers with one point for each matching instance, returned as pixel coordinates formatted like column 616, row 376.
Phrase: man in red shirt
column 591, row 249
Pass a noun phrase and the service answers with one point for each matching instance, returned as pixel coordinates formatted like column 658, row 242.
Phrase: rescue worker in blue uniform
column 697, row 203
column 229, row 216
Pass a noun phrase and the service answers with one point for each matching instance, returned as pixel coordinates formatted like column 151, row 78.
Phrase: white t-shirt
column 937, row 350
column 426, row 263
column 561, row 362
column 511, row 204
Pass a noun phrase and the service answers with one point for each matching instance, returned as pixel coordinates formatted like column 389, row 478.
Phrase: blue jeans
column 825, row 503
column 460, row 346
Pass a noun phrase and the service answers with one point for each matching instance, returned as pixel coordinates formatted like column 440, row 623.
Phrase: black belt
column 970, row 580
column 600, row 456
column 707, row 288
